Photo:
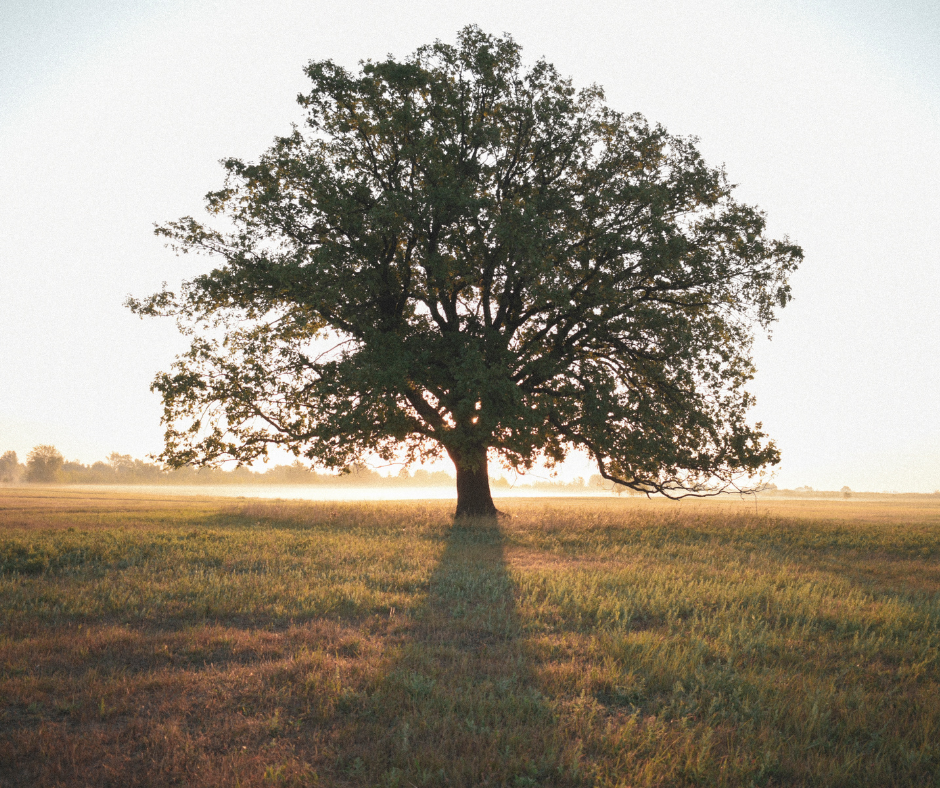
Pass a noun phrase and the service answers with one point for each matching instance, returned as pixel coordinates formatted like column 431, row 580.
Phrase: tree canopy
column 44, row 464
column 9, row 467
column 456, row 253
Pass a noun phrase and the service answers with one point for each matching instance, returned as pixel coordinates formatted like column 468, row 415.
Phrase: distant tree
column 9, row 467
column 122, row 464
column 44, row 464
column 502, row 264
column 102, row 473
column 424, row 478
column 846, row 492
column 620, row 489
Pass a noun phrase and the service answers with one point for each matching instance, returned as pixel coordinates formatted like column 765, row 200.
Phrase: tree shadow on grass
column 459, row 707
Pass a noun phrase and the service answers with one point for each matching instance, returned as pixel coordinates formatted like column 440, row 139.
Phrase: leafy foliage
column 44, row 464
column 456, row 253
column 9, row 467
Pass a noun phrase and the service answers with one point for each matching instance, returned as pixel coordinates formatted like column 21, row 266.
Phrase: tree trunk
column 473, row 484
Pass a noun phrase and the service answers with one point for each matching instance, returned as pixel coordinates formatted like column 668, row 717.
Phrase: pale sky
column 113, row 116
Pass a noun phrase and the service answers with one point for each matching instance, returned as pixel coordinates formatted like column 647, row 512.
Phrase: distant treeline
column 46, row 465
column 845, row 492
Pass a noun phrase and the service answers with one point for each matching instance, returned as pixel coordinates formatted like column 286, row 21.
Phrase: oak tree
column 459, row 254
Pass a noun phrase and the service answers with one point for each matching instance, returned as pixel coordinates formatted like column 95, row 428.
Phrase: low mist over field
column 296, row 481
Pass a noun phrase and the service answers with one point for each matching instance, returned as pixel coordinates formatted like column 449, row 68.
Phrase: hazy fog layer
column 294, row 492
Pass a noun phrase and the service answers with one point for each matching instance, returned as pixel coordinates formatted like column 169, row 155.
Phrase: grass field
column 161, row 641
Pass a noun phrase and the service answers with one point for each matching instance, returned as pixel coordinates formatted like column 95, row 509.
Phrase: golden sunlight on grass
column 166, row 641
